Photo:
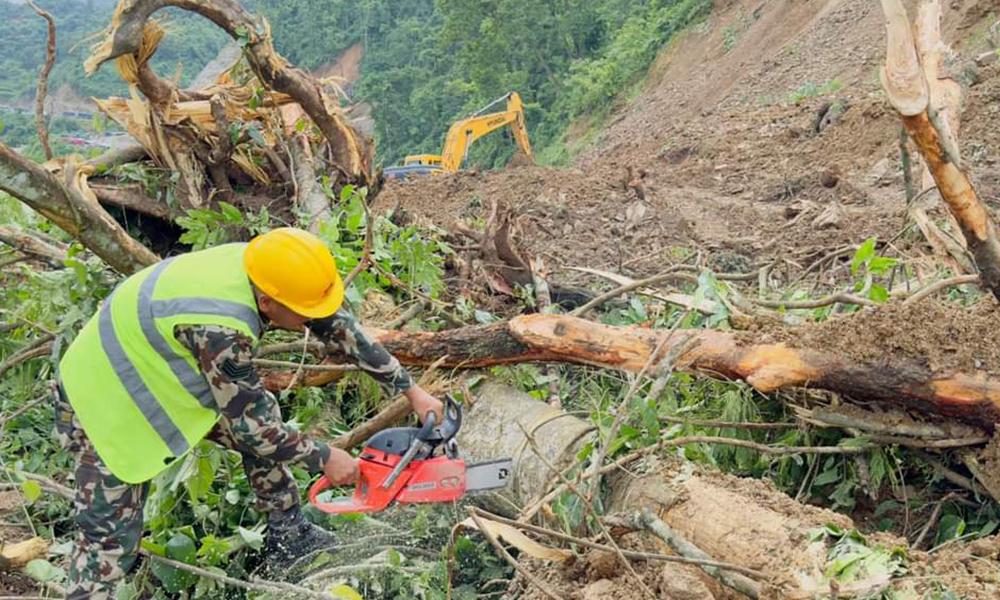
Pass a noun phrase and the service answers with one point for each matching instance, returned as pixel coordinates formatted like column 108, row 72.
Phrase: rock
column 877, row 173
column 831, row 217
column 829, row 178
column 599, row 590
column 601, row 565
column 678, row 582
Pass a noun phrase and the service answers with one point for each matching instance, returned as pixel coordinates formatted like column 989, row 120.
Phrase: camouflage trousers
column 109, row 512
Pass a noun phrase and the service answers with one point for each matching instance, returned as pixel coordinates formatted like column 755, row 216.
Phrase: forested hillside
column 191, row 42
column 426, row 62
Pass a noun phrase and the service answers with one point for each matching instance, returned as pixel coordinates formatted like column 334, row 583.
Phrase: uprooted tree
column 265, row 127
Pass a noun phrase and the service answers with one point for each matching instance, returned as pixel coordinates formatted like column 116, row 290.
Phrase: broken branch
column 43, row 81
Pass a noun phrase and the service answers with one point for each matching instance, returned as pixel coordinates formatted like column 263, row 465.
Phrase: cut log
column 16, row 556
column 971, row 396
column 743, row 522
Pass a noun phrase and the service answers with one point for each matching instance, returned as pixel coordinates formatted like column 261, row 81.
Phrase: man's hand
column 341, row 468
column 424, row 403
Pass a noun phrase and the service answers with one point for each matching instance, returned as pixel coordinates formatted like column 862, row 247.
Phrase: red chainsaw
column 399, row 465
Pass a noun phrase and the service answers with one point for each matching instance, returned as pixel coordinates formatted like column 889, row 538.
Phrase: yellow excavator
column 462, row 134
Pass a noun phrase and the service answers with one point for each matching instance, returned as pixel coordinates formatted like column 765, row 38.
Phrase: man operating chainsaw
column 167, row 362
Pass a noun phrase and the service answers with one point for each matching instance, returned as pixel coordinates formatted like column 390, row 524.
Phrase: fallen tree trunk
column 970, row 396
column 926, row 101
column 744, row 522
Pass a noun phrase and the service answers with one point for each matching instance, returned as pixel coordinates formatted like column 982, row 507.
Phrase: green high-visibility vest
column 139, row 393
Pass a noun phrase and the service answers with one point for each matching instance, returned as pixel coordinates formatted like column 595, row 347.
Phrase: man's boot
column 290, row 537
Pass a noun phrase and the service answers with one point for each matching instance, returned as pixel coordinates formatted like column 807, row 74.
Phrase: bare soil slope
column 724, row 144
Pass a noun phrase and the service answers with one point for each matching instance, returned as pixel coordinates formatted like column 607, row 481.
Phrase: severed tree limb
column 309, row 195
column 132, row 198
column 628, row 553
column 840, row 298
column 352, row 153
column 30, row 244
column 71, row 211
column 38, row 348
column 937, row 286
column 43, row 81
column 669, row 274
column 970, row 396
column 113, row 158
column 256, row 585
column 909, row 89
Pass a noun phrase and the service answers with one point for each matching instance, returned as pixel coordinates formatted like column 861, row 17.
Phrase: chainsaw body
column 398, row 465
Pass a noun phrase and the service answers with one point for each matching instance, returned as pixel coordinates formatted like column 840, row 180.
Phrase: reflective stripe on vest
column 149, row 310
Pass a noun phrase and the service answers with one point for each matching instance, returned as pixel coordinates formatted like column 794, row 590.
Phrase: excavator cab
column 432, row 160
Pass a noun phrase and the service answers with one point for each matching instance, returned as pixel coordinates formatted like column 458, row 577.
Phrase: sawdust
column 935, row 336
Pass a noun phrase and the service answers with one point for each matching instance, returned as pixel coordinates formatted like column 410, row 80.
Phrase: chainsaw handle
column 452, row 418
column 321, row 484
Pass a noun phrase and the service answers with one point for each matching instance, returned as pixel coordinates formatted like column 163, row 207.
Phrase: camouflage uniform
column 108, row 511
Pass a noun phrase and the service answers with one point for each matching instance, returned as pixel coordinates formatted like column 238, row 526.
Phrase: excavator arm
column 463, row 133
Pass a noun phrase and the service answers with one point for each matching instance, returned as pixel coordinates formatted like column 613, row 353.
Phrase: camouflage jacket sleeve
column 254, row 417
column 344, row 333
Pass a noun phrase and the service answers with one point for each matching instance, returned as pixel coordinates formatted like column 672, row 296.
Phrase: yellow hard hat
column 295, row 268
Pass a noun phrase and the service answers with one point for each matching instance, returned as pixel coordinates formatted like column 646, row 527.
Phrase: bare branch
column 43, row 81
column 30, row 244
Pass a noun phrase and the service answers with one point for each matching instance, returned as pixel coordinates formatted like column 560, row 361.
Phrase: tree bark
column 921, row 95
column 133, row 198
column 70, row 210
column 29, row 244
column 352, row 153
column 973, row 397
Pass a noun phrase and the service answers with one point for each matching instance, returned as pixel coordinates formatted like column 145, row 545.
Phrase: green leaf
column 43, row 571
column 863, row 255
column 346, row 192
column 345, row 591
column 300, row 125
column 256, row 136
column 31, row 490
column 878, row 293
column 254, row 539
column 233, row 496
column 827, row 476
column 231, row 213
column 182, row 548
column 950, row 527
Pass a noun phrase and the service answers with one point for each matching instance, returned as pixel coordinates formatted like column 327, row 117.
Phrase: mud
column 938, row 337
